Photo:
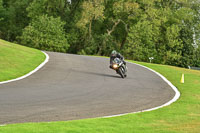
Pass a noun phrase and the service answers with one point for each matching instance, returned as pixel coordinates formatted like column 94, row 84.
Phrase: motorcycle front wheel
column 121, row 73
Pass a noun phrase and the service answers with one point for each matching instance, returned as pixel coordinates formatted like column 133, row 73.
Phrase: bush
column 45, row 33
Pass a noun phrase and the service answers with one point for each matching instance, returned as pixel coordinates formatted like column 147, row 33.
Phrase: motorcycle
column 120, row 68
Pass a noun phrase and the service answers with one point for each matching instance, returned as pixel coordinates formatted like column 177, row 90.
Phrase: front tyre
column 121, row 73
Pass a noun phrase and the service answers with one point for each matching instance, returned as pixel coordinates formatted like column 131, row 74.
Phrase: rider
column 115, row 54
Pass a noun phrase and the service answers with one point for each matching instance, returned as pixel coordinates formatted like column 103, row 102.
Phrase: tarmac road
column 73, row 87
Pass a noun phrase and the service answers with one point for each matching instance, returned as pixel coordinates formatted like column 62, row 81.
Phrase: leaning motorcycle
column 120, row 68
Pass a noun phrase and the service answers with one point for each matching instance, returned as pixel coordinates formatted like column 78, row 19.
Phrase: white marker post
column 151, row 58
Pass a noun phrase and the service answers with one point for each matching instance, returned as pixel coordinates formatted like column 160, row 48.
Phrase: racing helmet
column 114, row 53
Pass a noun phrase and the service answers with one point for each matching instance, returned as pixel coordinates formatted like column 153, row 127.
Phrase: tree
column 168, row 30
column 2, row 11
column 68, row 12
column 15, row 18
column 141, row 43
column 92, row 11
column 50, row 7
column 144, row 34
column 46, row 33
column 123, row 16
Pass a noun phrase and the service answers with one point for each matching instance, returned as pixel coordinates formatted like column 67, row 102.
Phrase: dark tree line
column 168, row 30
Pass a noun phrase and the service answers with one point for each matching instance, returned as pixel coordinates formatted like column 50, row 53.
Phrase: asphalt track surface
column 73, row 87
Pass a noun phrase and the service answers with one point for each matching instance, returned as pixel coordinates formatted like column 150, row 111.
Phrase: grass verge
column 183, row 116
column 17, row 60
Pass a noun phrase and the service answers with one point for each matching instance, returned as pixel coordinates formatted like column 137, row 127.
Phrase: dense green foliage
column 46, row 33
column 168, row 30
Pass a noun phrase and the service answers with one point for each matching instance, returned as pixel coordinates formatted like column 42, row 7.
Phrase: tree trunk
column 90, row 29
column 113, row 28
column 123, row 41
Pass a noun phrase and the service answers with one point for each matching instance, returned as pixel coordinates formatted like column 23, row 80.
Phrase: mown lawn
column 17, row 60
column 183, row 116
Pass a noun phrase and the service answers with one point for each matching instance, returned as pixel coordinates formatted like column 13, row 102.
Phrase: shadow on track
column 98, row 74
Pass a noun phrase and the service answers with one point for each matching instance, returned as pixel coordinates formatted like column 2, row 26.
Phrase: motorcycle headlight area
column 115, row 66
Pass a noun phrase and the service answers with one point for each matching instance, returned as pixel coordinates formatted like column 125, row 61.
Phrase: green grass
column 183, row 116
column 17, row 60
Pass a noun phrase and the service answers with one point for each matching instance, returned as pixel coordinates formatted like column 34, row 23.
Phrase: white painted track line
column 175, row 98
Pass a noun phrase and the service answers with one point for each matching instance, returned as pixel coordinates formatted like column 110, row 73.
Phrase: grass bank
column 183, row 116
column 17, row 60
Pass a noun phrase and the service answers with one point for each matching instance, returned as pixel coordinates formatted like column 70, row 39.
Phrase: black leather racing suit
column 118, row 55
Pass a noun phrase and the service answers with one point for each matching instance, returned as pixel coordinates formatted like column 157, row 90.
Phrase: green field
column 17, row 60
column 183, row 116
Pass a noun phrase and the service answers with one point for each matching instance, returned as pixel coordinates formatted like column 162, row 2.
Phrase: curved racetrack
column 72, row 87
